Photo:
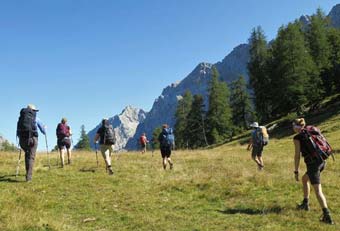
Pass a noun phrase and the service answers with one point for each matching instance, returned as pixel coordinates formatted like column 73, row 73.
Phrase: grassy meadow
column 214, row 189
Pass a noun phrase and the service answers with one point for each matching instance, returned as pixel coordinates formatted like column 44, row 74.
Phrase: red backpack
column 62, row 131
column 318, row 145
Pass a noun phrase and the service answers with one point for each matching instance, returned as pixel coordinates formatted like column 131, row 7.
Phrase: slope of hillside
column 215, row 189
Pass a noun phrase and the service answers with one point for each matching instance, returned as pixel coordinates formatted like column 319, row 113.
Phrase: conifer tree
column 196, row 124
column 155, row 135
column 320, row 48
column 317, row 39
column 219, row 113
column 333, row 73
column 259, row 73
column 294, row 75
column 84, row 141
column 183, row 109
column 240, row 104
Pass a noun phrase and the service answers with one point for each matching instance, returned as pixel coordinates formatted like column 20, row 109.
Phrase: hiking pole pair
column 18, row 165
column 48, row 156
column 95, row 146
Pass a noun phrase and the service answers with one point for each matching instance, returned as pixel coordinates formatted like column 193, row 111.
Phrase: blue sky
column 86, row 60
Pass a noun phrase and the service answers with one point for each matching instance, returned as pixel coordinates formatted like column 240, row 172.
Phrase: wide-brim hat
column 32, row 107
column 254, row 125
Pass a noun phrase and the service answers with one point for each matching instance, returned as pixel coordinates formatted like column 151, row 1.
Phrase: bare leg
column 170, row 162
column 260, row 160
column 61, row 151
column 164, row 162
column 319, row 194
column 69, row 155
column 306, row 186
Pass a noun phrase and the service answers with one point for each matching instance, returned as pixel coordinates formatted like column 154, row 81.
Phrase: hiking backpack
column 317, row 144
column 168, row 139
column 62, row 131
column 26, row 123
column 109, row 135
column 142, row 140
column 261, row 137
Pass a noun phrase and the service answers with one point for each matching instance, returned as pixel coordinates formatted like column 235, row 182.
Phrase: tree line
column 292, row 73
column 296, row 70
column 229, row 112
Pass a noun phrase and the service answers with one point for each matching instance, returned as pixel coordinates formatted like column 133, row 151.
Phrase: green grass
column 215, row 189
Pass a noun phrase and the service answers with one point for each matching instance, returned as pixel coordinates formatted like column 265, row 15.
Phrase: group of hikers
column 308, row 142
column 314, row 148
column 29, row 124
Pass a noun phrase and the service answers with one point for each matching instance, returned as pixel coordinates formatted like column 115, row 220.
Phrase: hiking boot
column 110, row 171
column 260, row 166
column 171, row 165
column 326, row 218
column 303, row 206
column 69, row 161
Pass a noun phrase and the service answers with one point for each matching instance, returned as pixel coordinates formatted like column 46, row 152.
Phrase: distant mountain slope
column 233, row 65
column 197, row 82
column 334, row 16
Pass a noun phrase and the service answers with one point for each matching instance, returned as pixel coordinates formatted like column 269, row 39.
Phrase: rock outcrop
column 124, row 125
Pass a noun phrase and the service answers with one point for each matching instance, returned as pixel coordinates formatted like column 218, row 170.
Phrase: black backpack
column 26, row 124
column 167, row 138
column 109, row 135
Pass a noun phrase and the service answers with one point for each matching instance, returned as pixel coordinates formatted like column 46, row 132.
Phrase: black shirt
column 101, row 133
column 303, row 143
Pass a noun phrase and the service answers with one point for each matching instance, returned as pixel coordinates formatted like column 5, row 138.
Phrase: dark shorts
column 257, row 151
column 313, row 172
column 166, row 152
column 66, row 142
column 143, row 145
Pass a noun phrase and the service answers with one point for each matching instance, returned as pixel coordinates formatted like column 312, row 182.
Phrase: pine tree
column 334, row 71
column 84, row 141
column 196, row 124
column 259, row 73
column 219, row 113
column 294, row 75
column 155, row 135
column 240, row 104
column 320, row 48
column 183, row 109
column 317, row 39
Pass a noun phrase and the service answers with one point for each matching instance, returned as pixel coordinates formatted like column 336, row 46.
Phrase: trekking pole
column 95, row 146
column 48, row 156
column 58, row 154
column 18, row 164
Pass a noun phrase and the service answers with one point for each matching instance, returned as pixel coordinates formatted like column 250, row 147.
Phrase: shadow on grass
column 251, row 211
column 93, row 170
column 9, row 179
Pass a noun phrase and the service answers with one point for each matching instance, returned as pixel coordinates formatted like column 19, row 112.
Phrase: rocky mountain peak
column 124, row 125
column 334, row 15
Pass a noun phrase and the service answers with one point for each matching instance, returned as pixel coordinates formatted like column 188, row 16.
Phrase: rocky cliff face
column 334, row 16
column 124, row 125
column 197, row 82
column 164, row 107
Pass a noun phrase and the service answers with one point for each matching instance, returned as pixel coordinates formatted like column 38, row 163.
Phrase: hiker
column 143, row 142
column 166, row 140
column 27, row 131
column 64, row 133
column 106, row 136
column 314, row 166
column 259, row 138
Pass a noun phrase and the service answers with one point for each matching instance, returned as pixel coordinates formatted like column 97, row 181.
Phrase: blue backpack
column 168, row 138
